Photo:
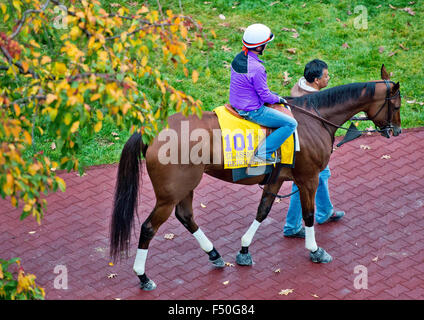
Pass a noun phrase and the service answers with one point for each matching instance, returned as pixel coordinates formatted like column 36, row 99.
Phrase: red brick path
column 383, row 230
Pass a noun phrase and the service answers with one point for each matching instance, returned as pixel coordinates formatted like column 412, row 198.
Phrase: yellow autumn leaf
column 3, row 9
column 213, row 33
column 27, row 207
column 75, row 126
column 98, row 126
column 95, row 97
column 17, row 109
column 195, row 76
column 45, row 60
column 123, row 36
column 99, row 115
column 60, row 68
column 25, row 66
column 61, row 183
column 50, row 98
column 67, row 119
column 183, row 31
column 144, row 61
column 27, row 137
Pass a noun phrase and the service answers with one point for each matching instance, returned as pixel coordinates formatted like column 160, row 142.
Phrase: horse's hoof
column 219, row 263
column 320, row 256
column 244, row 259
column 148, row 286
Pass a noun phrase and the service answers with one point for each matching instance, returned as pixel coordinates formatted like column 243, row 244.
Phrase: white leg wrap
column 310, row 243
column 248, row 236
column 140, row 261
column 204, row 242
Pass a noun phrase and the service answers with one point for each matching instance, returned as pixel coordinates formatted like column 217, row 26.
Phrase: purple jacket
column 248, row 86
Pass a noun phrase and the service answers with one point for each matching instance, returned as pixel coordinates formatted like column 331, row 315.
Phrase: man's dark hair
column 314, row 69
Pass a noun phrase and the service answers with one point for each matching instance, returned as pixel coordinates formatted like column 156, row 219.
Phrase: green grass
column 323, row 27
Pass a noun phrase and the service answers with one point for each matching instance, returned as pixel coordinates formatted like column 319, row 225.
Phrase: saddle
column 272, row 176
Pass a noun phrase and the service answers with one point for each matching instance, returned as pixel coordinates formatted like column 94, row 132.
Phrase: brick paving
column 383, row 230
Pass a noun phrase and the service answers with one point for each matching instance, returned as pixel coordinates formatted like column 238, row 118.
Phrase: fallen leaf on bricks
column 111, row 264
column 117, row 298
column 226, row 282
column 365, row 147
column 202, row 205
column 375, row 259
column 277, row 200
column 32, row 232
column 112, row 275
column 228, row 264
column 169, row 236
column 277, row 270
column 386, row 156
column 314, row 295
column 285, row 292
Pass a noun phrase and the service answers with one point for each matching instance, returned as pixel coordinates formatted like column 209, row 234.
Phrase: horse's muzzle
column 395, row 130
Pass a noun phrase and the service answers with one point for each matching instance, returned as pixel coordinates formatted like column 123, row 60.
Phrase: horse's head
column 386, row 114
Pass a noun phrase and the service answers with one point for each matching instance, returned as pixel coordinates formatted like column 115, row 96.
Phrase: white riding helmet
column 257, row 35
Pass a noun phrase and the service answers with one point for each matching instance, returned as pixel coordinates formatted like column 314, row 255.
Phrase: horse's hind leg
column 244, row 258
column 184, row 213
column 150, row 226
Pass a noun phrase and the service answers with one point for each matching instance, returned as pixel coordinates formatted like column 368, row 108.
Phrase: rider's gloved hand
column 282, row 100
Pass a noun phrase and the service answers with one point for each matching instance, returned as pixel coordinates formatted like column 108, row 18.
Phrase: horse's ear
column 384, row 74
column 396, row 87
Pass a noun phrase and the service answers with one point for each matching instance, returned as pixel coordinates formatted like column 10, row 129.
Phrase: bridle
column 385, row 130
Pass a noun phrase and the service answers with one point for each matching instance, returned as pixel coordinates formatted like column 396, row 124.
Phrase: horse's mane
column 336, row 95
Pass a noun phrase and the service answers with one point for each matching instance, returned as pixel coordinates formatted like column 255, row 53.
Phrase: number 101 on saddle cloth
column 240, row 138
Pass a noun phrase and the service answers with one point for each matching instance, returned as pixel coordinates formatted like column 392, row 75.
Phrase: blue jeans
column 324, row 207
column 271, row 118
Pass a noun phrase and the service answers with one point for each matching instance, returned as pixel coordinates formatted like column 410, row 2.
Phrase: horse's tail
column 126, row 195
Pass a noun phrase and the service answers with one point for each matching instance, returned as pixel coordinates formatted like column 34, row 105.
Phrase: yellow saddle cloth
column 240, row 138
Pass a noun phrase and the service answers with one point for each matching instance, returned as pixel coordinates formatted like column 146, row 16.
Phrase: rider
column 249, row 92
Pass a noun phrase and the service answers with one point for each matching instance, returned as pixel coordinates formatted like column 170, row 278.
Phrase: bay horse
column 173, row 183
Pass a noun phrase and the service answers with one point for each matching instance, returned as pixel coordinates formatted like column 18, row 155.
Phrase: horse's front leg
column 307, row 197
column 268, row 196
